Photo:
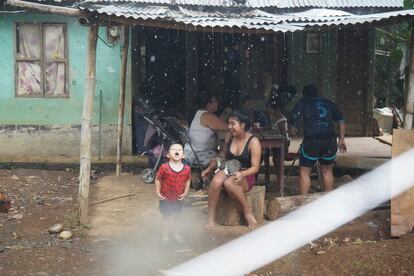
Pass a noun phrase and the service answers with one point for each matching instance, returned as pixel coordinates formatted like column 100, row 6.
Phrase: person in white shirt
column 203, row 130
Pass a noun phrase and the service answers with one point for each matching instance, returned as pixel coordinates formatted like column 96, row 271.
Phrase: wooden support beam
column 85, row 149
column 191, row 73
column 121, row 106
column 45, row 8
column 409, row 100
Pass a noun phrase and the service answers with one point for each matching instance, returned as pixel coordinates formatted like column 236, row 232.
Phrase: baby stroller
column 160, row 132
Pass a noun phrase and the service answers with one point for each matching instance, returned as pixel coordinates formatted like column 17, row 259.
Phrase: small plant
column 82, row 230
column 87, row 226
column 71, row 220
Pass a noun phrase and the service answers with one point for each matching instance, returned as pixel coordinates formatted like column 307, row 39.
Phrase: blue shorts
column 321, row 149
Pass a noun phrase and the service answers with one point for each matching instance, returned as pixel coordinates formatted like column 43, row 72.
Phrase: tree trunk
column 287, row 204
column 85, row 149
column 229, row 211
column 121, row 107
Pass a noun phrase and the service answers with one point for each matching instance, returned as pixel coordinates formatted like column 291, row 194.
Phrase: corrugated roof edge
column 253, row 4
column 256, row 23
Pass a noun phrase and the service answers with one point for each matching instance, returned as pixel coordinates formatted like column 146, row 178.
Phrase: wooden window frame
column 41, row 60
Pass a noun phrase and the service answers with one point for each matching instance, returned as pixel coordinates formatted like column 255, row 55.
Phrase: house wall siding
column 317, row 68
column 344, row 77
column 51, row 120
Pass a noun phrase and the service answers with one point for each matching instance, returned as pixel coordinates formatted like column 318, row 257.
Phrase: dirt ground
column 122, row 237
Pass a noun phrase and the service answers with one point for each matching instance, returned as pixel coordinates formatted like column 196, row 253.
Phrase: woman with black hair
column 245, row 147
column 203, row 128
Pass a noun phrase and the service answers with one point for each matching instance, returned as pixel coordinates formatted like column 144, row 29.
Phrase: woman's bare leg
column 213, row 196
column 237, row 190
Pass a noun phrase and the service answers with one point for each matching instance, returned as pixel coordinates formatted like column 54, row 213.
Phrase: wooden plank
column 121, row 106
column 386, row 139
column 85, row 147
column 402, row 206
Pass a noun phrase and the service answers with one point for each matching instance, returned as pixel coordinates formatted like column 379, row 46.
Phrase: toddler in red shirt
column 172, row 184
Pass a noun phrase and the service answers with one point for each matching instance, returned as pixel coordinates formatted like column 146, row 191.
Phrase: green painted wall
column 62, row 111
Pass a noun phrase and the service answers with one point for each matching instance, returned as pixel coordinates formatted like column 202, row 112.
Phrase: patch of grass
column 367, row 266
column 71, row 220
column 82, row 230
column 86, row 227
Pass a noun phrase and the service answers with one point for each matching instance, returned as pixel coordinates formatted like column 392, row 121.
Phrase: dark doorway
column 352, row 93
column 164, row 67
column 158, row 74
column 219, row 67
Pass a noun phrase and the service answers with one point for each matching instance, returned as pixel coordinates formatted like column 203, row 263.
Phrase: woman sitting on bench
column 245, row 147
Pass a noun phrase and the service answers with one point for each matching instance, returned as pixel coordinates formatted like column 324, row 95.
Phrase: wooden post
column 409, row 100
column 191, row 71
column 85, row 149
column 402, row 206
column 121, row 106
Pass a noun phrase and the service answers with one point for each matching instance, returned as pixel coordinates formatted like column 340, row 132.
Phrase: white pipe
column 276, row 239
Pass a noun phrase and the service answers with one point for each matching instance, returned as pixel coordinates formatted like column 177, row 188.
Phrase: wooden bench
column 229, row 211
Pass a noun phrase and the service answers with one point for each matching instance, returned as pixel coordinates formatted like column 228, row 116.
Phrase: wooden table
column 270, row 139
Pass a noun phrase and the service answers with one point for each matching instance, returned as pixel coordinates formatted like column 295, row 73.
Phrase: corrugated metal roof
column 270, row 3
column 340, row 3
column 251, row 19
column 239, row 18
column 359, row 19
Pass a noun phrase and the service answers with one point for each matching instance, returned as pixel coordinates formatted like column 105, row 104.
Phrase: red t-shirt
column 172, row 182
